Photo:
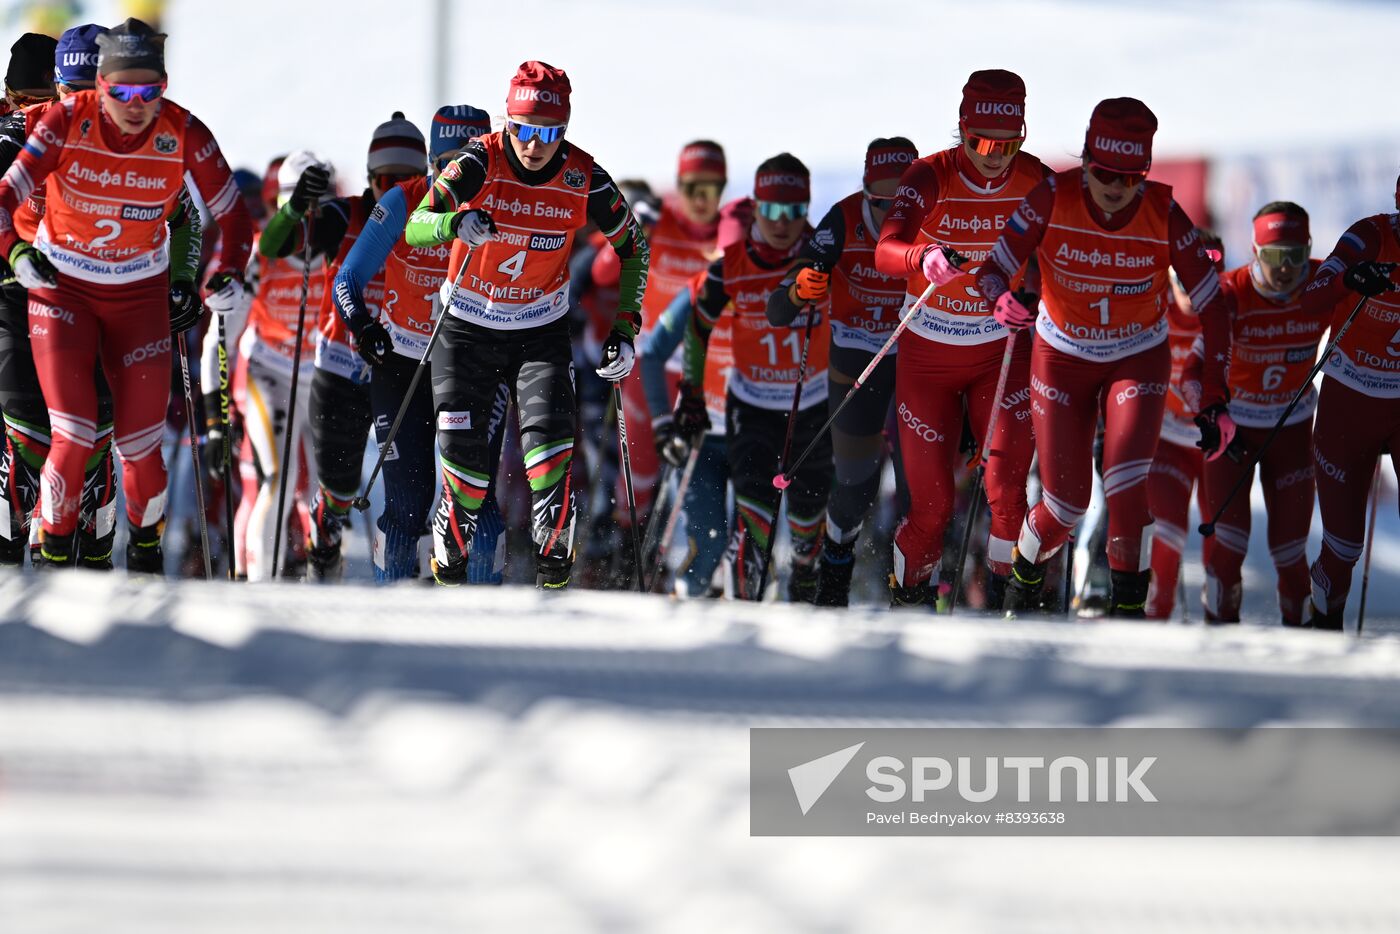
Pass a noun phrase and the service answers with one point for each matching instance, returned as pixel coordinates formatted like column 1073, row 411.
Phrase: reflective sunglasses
column 986, row 146
column 1293, row 254
column 879, row 202
column 1109, row 176
column 388, row 180
column 125, row 93
column 782, row 210
column 695, row 189
column 528, row 131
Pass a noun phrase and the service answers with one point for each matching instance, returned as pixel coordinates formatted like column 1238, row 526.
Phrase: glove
column 185, row 307
column 1217, row 433
column 315, row 181
column 1368, row 277
column 473, row 227
column 373, row 343
column 32, row 268
column 215, row 437
column 812, row 285
column 224, row 293
column 692, row 419
column 618, row 357
column 1011, row 310
column 938, row 266
column 671, row 447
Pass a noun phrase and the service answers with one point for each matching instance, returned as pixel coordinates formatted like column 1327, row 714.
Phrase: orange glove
column 812, row 285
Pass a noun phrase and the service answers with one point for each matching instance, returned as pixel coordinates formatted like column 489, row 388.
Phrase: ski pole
column 783, row 479
column 787, row 449
column 626, row 460
column 658, row 506
column 674, row 517
column 983, row 456
column 184, row 351
column 1247, row 474
column 362, row 501
column 224, row 408
column 1370, row 537
column 292, row 396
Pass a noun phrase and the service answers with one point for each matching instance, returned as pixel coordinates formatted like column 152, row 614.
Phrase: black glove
column 373, row 343
column 617, row 357
column 1369, row 278
column 185, row 307
column 215, row 437
column 671, row 447
column 315, row 181
column 1217, row 428
column 692, row 419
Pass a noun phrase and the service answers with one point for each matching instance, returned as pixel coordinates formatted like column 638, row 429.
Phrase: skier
column 1358, row 409
column 391, row 337
column 1273, row 346
column 837, row 266
column 1176, row 467
column 1105, row 238
column 515, row 199
column 767, row 353
column 951, row 355
column 96, row 273
column 339, row 402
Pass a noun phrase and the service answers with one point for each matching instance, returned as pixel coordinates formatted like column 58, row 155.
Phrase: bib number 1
column 1102, row 306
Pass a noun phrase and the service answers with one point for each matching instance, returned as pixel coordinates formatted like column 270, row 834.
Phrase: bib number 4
column 513, row 266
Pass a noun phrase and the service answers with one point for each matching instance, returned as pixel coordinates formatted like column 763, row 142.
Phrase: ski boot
column 995, row 591
column 834, row 573
column 323, row 554
column 1330, row 621
column 143, row 551
column 55, row 552
column 1129, row 594
column 803, row 583
column 921, row 594
column 552, row 572
column 1023, row 586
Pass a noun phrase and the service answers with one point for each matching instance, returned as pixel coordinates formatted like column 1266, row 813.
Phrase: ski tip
column 781, row 482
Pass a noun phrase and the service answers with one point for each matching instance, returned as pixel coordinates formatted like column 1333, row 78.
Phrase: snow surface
column 225, row 758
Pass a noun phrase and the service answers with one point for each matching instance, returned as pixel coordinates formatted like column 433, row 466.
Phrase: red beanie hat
column 702, row 156
column 539, row 90
column 994, row 100
column 1120, row 135
column 886, row 159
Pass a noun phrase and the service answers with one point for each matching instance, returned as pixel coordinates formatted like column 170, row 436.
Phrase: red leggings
column 1067, row 395
column 1286, row 472
column 1352, row 428
column 931, row 381
column 1176, row 470
column 128, row 326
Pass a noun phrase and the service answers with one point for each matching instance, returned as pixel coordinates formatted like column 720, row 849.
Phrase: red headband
column 1281, row 228
column 783, row 187
column 701, row 157
column 887, row 162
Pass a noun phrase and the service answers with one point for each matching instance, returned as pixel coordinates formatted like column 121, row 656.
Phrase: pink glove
column 936, row 267
column 1217, row 432
column 1011, row 314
